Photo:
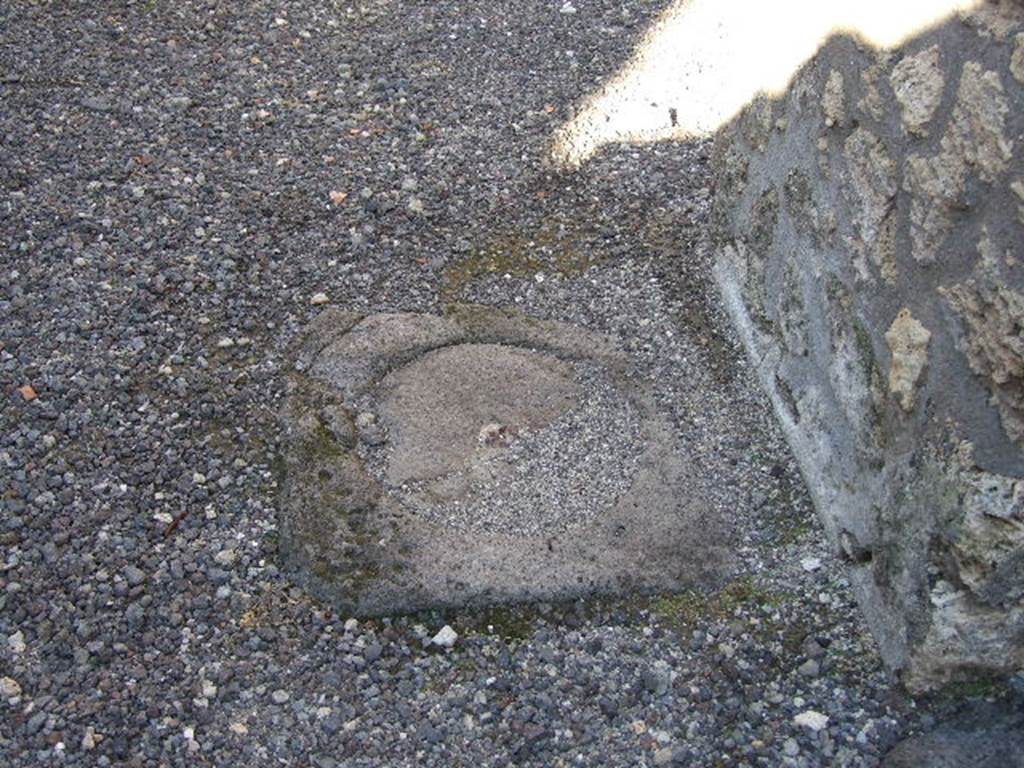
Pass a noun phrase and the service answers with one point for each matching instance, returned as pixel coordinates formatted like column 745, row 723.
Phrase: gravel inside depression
column 546, row 480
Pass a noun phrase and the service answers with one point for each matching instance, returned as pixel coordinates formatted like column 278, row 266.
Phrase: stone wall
column 869, row 233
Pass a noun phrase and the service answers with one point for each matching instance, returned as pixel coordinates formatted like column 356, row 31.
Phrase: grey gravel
column 167, row 171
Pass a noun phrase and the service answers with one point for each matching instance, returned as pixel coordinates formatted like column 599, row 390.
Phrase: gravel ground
column 181, row 180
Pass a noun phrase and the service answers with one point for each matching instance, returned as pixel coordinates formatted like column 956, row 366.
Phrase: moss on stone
column 791, row 534
column 509, row 622
column 680, row 610
column 980, row 685
column 864, row 348
column 516, row 255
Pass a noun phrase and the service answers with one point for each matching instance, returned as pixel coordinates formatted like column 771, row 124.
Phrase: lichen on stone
column 993, row 315
column 918, row 82
column 1017, row 58
column 978, row 597
column 988, row 542
column 872, row 102
column 759, row 119
column 995, row 18
column 974, row 143
column 872, row 174
column 1017, row 188
column 908, row 345
column 764, row 217
column 833, row 102
column 798, row 196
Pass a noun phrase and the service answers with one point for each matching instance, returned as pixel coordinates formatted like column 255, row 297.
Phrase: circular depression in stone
column 478, row 457
column 436, row 406
column 494, row 438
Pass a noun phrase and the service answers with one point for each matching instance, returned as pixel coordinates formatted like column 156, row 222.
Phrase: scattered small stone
column 372, row 652
column 9, row 688
column 16, row 642
column 664, row 756
column 179, row 102
column 134, row 575
column 790, row 747
column 810, row 564
column 226, row 557
column 446, row 638
column 811, row 648
column 280, row 696
column 370, row 430
column 658, row 679
column 318, row 298
column 811, row 720
column 809, row 668
column 35, row 723
column 89, row 739
column 96, row 104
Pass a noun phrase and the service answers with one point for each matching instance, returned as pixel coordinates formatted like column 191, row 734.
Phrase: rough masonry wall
column 869, row 230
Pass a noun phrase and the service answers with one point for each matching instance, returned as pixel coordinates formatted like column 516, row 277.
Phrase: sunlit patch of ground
column 705, row 59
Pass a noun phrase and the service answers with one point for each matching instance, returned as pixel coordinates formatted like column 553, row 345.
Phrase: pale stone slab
column 482, row 456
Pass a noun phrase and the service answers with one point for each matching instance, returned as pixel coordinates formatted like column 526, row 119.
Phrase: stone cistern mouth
column 481, row 456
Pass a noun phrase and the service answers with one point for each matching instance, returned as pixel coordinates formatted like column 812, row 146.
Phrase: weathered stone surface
column 994, row 18
column 994, row 317
column 977, row 133
column 873, row 187
column 1017, row 60
column 984, row 735
column 1017, row 188
column 908, row 347
column 872, row 101
column 481, row 456
column 975, row 142
column 902, row 398
column 833, row 103
column 918, row 82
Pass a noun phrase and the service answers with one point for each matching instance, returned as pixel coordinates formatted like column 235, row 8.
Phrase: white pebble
column 812, row 720
column 446, row 638
column 16, row 642
column 9, row 688
column 226, row 557
column 318, row 299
